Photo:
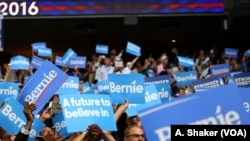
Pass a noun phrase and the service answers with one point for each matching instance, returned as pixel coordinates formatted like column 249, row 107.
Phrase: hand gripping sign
column 13, row 119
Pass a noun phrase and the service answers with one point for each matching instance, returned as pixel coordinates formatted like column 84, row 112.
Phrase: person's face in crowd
column 47, row 132
column 165, row 61
column 175, row 51
column 201, row 53
column 94, row 57
column 181, row 68
column 107, row 61
column 135, row 134
column 56, row 99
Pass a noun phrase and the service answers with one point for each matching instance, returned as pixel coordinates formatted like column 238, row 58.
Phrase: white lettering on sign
column 44, row 83
column 13, row 117
column 133, row 88
column 68, row 56
column 19, row 62
column 70, row 84
column 60, row 125
column 186, row 78
column 9, row 91
column 220, row 71
column 76, row 62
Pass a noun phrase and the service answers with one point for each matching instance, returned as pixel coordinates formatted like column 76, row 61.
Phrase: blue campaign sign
column 129, row 86
column 58, row 61
column 247, row 53
column 186, row 78
column 101, row 49
column 231, row 53
column 163, row 91
column 42, row 85
column 36, row 62
column 79, row 61
column 242, row 79
column 228, row 79
column 87, row 109
column 244, row 93
column 151, row 98
column 161, row 79
column 60, row 125
column 206, row 84
column 67, row 55
column 19, row 63
column 219, row 106
column 220, row 70
column 38, row 45
column 133, row 49
column 70, row 86
column 8, row 89
column 45, row 52
column 86, row 87
column 185, row 61
column 103, row 87
column 13, row 119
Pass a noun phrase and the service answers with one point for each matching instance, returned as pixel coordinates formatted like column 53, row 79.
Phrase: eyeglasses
column 136, row 135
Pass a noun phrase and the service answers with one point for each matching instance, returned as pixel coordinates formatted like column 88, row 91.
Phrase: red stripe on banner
column 128, row 7
column 81, row 7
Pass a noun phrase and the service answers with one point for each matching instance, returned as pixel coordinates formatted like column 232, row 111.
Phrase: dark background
column 152, row 33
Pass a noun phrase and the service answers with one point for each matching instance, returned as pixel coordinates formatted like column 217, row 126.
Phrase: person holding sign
column 103, row 70
column 94, row 133
column 202, row 64
column 23, row 135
